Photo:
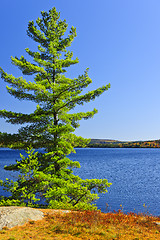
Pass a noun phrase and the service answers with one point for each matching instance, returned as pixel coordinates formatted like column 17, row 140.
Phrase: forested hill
column 107, row 143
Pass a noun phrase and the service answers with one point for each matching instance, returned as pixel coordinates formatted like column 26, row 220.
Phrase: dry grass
column 88, row 225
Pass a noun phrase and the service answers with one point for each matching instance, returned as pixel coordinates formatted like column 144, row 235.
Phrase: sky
column 119, row 41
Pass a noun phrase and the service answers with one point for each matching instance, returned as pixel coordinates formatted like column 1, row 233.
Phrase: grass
column 87, row 225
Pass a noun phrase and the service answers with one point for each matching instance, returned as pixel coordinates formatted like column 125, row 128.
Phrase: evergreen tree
column 52, row 124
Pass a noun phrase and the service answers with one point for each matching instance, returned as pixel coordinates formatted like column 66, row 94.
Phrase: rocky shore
column 17, row 216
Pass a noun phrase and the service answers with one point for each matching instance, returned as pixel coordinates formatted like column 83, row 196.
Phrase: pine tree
column 51, row 126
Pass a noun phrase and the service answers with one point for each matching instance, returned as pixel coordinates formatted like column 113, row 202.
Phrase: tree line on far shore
column 98, row 143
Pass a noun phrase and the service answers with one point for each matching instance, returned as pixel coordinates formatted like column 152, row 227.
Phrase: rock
column 13, row 216
column 158, row 223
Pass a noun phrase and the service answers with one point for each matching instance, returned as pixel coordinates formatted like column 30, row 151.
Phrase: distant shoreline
column 104, row 143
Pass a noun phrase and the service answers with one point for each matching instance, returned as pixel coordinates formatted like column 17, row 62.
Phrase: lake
column 134, row 174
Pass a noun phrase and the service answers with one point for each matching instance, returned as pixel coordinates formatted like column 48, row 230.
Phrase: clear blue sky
column 120, row 43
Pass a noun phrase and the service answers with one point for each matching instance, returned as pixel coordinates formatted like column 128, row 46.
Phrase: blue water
column 134, row 174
